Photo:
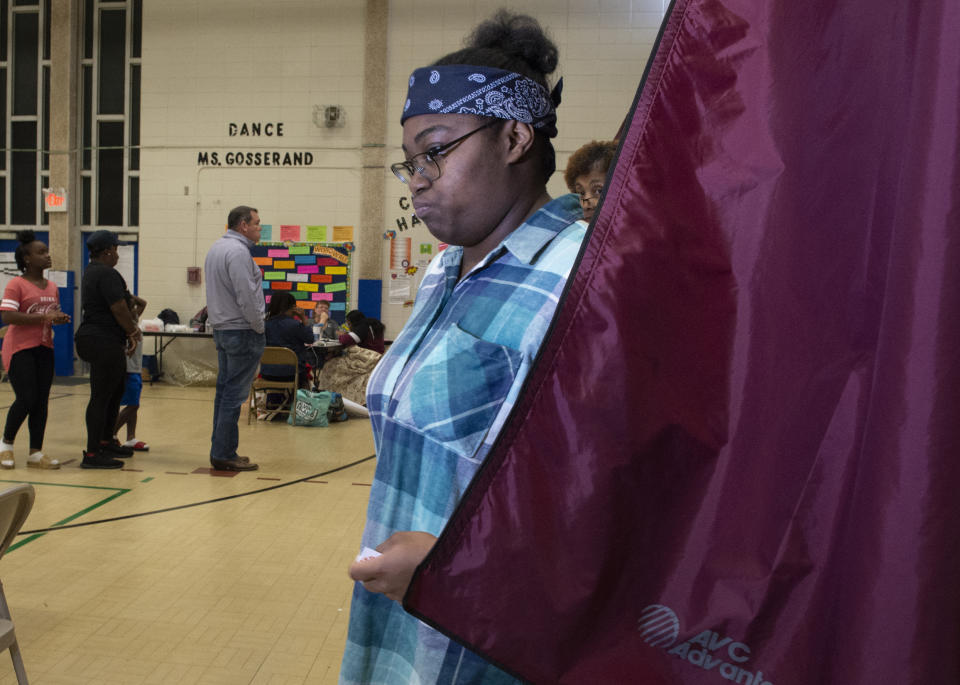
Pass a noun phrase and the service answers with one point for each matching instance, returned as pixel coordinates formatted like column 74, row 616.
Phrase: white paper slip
column 367, row 553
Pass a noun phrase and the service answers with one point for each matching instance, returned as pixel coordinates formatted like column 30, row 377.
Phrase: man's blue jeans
column 238, row 355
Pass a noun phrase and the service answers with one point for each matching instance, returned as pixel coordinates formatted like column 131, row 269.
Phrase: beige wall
column 207, row 63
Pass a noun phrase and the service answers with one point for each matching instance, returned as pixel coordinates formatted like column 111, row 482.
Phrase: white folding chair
column 15, row 505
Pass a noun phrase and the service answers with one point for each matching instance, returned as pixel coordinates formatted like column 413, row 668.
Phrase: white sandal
column 39, row 460
column 6, row 460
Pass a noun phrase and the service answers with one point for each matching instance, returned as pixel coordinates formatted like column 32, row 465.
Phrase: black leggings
column 108, row 373
column 31, row 373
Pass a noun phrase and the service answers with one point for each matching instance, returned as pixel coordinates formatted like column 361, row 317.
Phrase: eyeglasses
column 427, row 164
column 593, row 193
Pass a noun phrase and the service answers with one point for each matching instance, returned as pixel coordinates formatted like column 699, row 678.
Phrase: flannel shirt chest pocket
column 457, row 390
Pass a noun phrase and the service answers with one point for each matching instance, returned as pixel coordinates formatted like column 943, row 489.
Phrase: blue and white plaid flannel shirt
column 437, row 401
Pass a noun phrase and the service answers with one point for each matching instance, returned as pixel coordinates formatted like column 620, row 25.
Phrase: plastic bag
column 310, row 408
column 336, row 412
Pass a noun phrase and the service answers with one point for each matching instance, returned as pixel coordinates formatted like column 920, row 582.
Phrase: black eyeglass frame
column 432, row 156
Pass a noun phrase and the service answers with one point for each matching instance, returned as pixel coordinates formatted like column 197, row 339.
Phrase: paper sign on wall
column 399, row 288
column 400, row 249
column 342, row 234
column 289, row 233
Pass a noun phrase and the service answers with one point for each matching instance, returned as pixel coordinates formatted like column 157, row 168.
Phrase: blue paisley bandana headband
column 484, row 91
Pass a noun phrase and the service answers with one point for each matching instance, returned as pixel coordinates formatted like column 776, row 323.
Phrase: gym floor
column 163, row 573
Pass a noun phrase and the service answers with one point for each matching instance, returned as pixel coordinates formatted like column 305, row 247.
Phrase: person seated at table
column 321, row 316
column 364, row 332
column 284, row 328
column 347, row 371
column 586, row 173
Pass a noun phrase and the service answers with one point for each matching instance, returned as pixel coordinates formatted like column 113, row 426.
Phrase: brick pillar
column 64, row 109
column 369, row 260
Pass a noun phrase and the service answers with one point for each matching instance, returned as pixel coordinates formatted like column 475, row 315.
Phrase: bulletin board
column 311, row 272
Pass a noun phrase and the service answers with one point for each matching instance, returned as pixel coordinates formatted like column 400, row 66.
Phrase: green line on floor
column 147, row 479
column 119, row 491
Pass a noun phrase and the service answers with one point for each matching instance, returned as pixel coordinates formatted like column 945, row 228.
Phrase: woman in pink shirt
column 31, row 305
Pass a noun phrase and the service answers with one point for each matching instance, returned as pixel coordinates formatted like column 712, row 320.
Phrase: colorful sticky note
column 284, row 264
column 299, row 295
column 426, row 248
column 274, row 276
column 321, row 278
column 307, row 304
column 334, row 287
column 263, row 261
column 326, row 261
column 290, row 234
column 278, row 252
column 305, row 259
column 266, row 233
column 308, row 287
column 338, row 306
column 297, row 278
column 342, row 234
column 327, row 297
column 336, row 270
column 299, row 249
column 282, row 285
column 308, row 269
column 316, row 234
column 266, row 285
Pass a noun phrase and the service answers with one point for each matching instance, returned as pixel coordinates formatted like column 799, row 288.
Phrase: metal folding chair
column 15, row 505
column 276, row 355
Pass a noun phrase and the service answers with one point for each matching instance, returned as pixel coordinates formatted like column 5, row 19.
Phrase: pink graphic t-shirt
column 23, row 296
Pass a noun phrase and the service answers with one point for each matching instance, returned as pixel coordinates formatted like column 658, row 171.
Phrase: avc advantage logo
column 659, row 627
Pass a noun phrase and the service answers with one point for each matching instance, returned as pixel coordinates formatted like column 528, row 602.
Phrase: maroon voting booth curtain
column 738, row 456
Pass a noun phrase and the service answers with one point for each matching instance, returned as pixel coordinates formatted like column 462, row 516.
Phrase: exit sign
column 55, row 199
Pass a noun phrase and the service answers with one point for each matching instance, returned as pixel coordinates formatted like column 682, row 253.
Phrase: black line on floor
column 196, row 504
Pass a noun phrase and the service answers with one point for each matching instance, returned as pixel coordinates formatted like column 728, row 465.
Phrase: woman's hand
column 140, row 304
column 390, row 573
column 133, row 338
column 55, row 316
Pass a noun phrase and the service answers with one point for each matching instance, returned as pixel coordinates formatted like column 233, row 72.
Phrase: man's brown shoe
column 233, row 465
